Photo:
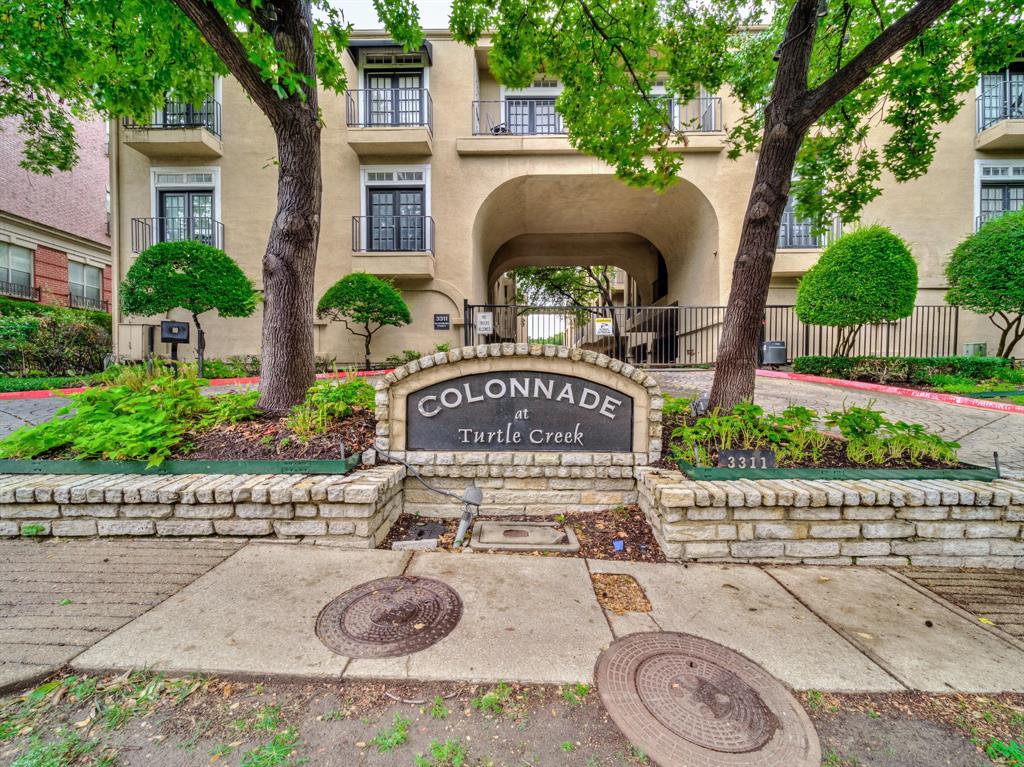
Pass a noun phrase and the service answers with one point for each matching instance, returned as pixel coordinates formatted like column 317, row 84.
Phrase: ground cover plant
column 153, row 416
column 798, row 437
column 198, row 722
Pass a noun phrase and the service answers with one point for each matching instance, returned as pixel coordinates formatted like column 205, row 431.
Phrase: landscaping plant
column 327, row 402
column 912, row 370
column 187, row 275
column 986, row 275
column 864, row 277
column 795, row 436
column 137, row 418
column 367, row 302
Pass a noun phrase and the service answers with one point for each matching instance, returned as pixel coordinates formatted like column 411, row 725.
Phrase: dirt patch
column 913, row 729
column 269, row 438
column 597, row 531
column 620, row 593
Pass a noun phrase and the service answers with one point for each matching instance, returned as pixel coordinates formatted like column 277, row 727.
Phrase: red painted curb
column 900, row 391
column 44, row 393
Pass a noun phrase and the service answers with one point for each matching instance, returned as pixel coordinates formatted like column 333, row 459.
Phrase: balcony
column 393, row 246
column 389, row 121
column 178, row 130
column 532, row 126
column 147, row 232
column 18, row 290
column 1000, row 110
column 84, row 302
column 798, row 247
column 987, row 216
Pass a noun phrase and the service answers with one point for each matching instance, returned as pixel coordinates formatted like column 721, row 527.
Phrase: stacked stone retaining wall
column 939, row 523
column 354, row 510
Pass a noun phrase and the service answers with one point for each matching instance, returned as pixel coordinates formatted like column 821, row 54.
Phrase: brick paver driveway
column 59, row 597
column 979, row 432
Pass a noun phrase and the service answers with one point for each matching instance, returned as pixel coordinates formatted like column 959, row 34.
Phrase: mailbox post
column 174, row 333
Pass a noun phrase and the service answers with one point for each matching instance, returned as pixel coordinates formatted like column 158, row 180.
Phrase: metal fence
column 389, row 107
column 679, row 336
column 147, row 232
column 175, row 114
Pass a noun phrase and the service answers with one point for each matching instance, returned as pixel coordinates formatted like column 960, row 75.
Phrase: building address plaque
column 519, row 411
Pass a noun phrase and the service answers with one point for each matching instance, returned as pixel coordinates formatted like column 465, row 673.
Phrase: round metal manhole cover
column 685, row 700
column 388, row 617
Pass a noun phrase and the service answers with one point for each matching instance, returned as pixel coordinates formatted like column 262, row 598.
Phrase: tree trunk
column 287, row 366
column 200, row 343
column 752, row 271
column 366, row 347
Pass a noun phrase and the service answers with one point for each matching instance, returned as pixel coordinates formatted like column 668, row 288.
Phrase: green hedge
column 45, row 382
column 13, row 307
column 915, row 370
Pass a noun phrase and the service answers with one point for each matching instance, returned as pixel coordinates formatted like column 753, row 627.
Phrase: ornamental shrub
column 187, row 275
column 915, row 370
column 367, row 302
column 986, row 275
column 866, row 276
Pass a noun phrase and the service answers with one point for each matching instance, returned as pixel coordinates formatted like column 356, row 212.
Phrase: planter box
column 976, row 473
column 341, row 466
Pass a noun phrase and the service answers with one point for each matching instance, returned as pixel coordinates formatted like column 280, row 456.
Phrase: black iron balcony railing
column 537, row 116
column 795, row 234
column 987, row 216
column 18, row 290
column 85, row 302
column 147, row 232
column 1004, row 101
column 392, row 233
column 389, row 108
column 174, row 114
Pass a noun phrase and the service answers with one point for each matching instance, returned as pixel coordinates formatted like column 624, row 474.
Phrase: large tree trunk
column 287, row 367
column 752, row 271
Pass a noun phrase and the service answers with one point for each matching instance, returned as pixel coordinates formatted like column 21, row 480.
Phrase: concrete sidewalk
column 536, row 619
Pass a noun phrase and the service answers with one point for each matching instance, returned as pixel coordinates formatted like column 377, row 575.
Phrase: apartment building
column 54, row 230
column 441, row 179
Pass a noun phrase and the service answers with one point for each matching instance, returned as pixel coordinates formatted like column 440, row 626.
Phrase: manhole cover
column 685, row 700
column 387, row 617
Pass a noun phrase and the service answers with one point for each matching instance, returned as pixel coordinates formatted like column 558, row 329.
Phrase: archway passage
column 660, row 251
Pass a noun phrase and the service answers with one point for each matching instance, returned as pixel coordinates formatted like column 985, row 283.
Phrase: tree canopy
column 986, row 275
column 865, row 276
column 186, row 275
column 578, row 286
column 616, row 60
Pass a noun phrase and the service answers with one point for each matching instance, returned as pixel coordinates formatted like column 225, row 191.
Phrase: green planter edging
column 341, row 466
column 979, row 473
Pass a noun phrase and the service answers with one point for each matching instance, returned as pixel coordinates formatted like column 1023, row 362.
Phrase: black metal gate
column 671, row 336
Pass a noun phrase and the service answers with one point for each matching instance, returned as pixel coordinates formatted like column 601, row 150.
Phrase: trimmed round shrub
column 866, row 276
column 986, row 275
column 365, row 304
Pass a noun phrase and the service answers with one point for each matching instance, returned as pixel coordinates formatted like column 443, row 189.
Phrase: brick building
column 54, row 230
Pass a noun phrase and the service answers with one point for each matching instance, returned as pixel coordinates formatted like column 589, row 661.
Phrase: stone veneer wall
column 354, row 510
column 522, row 482
column 939, row 523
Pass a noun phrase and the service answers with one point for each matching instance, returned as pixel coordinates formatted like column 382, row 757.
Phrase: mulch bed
column 268, row 438
column 597, row 532
column 620, row 593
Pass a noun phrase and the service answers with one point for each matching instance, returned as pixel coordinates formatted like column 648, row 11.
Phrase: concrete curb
column 900, row 391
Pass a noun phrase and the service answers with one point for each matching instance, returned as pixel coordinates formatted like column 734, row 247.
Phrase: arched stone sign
column 540, row 428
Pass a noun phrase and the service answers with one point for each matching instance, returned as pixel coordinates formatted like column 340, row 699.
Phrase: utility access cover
column 388, row 617
column 685, row 700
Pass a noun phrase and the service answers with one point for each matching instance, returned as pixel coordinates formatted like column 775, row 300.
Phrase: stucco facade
column 479, row 191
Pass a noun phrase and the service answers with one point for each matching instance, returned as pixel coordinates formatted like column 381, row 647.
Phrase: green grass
column 567, row 746
column 43, row 383
column 390, row 739
column 1010, row 754
column 494, row 701
column 438, row 710
column 68, row 750
column 447, row 754
column 268, row 718
column 279, row 752
column 576, row 694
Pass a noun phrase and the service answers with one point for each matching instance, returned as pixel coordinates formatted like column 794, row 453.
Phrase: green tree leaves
column 367, row 302
column 186, row 275
column 986, row 275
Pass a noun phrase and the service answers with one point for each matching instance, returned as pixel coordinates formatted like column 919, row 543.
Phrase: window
column 185, row 205
column 1002, row 96
column 394, row 89
column 16, row 271
column 85, row 285
column 1001, row 190
column 396, row 204
column 795, row 232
